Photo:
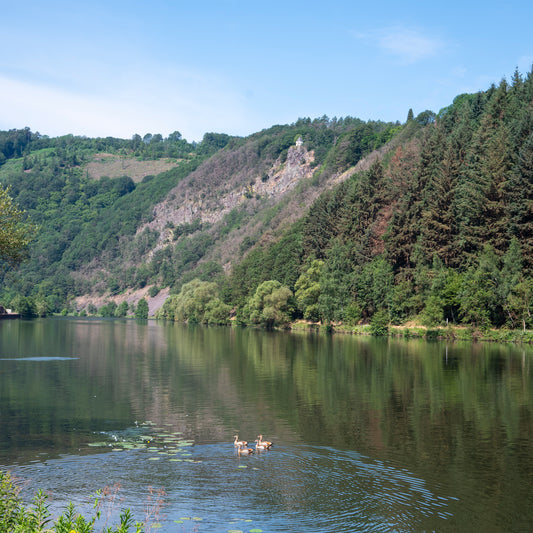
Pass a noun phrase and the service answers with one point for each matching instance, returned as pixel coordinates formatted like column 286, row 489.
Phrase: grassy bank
column 417, row 331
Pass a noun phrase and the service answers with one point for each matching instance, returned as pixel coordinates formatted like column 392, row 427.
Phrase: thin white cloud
column 408, row 45
column 159, row 102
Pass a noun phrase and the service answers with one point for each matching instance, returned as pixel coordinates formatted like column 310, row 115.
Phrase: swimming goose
column 262, row 442
column 244, row 450
column 261, row 446
column 238, row 442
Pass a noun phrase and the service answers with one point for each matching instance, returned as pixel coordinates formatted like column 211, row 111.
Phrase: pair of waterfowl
column 260, row 445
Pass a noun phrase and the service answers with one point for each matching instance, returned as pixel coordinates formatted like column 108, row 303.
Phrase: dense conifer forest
column 428, row 221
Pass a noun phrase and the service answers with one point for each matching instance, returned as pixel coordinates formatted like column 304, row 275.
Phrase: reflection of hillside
column 348, row 390
column 430, row 402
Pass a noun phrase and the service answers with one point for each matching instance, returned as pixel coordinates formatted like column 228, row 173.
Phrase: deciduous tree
column 15, row 232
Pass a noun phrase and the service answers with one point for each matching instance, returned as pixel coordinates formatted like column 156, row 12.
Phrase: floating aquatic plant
column 152, row 439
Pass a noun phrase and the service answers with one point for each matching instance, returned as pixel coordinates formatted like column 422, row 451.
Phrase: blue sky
column 118, row 68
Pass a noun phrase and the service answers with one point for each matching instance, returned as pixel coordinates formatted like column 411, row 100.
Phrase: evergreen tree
column 520, row 208
column 438, row 229
column 480, row 199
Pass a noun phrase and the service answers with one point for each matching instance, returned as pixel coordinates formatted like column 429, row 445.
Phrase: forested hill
column 326, row 219
column 120, row 217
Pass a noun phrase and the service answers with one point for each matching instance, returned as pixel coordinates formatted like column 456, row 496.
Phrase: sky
column 119, row 68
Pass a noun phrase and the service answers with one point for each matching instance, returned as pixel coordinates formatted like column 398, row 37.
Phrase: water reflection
column 373, row 434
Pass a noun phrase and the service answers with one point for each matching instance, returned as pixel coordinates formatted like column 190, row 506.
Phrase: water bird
column 260, row 446
column 262, row 442
column 238, row 442
column 244, row 450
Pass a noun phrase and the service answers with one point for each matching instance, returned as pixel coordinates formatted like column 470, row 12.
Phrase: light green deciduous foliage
column 122, row 310
column 197, row 302
column 15, row 234
column 307, row 291
column 271, row 305
column 141, row 311
column 478, row 297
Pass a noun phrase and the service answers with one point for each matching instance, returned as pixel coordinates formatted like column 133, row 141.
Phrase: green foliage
column 109, row 310
column 379, row 325
column 10, row 503
column 141, row 311
column 187, row 229
column 478, row 297
column 36, row 518
column 217, row 312
column 307, row 289
column 153, row 291
column 438, row 227
column 122, row 310
column 197, row 302
column 25, row 306
column 15, row 233
column 271, row 305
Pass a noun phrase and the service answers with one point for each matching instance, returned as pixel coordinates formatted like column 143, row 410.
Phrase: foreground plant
column 36, row 518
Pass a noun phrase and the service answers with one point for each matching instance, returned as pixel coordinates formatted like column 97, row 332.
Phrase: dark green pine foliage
column 479, row 201
column 519, row 188
column 437, row 219
column 320, row 223
column 521, row 202
column 405, row 228
column 439, row 228
column 372, row 195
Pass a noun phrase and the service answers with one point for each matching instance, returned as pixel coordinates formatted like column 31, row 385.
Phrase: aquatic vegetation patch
column 146, row 437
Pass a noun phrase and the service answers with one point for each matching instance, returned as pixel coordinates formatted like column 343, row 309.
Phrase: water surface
column 370, row 434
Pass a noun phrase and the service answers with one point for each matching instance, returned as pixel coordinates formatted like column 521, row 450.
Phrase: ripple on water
column 308, row 488
column 341, row 490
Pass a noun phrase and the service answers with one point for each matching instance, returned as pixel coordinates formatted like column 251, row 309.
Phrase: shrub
column 141, row 311
column 379, row 324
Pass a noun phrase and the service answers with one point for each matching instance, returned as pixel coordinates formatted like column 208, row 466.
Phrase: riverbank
column 417, row 331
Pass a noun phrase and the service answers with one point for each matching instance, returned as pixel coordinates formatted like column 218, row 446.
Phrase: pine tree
column 480, row 199
column 405, row 226
column 521, row 202
column 438, row 219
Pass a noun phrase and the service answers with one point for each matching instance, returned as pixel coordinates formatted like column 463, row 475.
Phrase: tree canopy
column 15, row 232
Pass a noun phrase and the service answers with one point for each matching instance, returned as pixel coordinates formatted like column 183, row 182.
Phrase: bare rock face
column 285, row 177
column 208, row 197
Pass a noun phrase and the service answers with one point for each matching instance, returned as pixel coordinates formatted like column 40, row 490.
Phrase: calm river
column 370, row 434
